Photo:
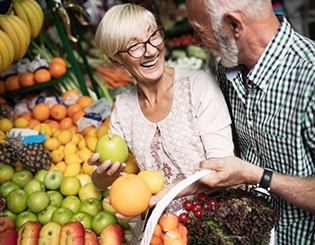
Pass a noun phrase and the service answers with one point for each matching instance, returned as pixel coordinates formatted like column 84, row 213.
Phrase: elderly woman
column 171, row 119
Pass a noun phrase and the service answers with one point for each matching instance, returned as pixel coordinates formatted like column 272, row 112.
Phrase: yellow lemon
column 102, row 130
column 72, row 170
column 65, row 136
column 82, row 144
column 57, row 155
column 91, row 142
column 72, row 159
column 6, row 124
column 56, row 132
column 86, row 168
column 75, row 138
column 131, row 165
column 61, row 165
column 92, row 132
column 20, row 122
column 85, row 153
column 154, row 179
column 51, row 144
column 2, row 134
column 45, row 129
column 70, row 148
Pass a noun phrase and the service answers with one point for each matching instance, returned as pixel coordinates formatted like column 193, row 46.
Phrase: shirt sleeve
column 214, row 120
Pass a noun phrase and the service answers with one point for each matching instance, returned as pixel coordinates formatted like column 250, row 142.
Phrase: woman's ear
column 116, row 63
column 233, row 23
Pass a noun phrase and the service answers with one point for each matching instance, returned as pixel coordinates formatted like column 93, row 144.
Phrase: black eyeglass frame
column 159, row 28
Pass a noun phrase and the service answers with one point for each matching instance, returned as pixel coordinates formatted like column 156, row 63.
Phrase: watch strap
column 264, row 185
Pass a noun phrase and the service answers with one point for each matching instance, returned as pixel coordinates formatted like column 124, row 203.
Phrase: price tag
column 103, row 107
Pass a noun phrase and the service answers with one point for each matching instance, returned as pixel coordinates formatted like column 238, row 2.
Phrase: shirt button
column 250, row 123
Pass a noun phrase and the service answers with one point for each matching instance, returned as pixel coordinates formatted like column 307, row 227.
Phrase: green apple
column 61, row 215
column 105, row 193
column 6, row 173
column 91, row 206
column 16, row 201
column 24, row 217
column 88, row 191
column 7, row 187
column 9, row 214
column 40, row 175
column 108, row 207
column 111, row 147
column 38, row 201
column 34, row 185
column 84, row 178
column 71, row 202
column 45, row 215
column 52, row 179
column 101, row 220
column 124, row 223
column 22, row 177
column 84, row 218
column 55, row 198
column 70, row 186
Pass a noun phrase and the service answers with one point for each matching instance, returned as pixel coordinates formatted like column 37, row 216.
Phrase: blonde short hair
column 119, row 25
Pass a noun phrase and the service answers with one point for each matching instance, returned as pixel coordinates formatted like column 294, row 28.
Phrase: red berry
column 198, row 213
column 212, row 202
column 182, row 217
column 187, row 220
column 188, row 205
column 196, row 207
column 201, row 197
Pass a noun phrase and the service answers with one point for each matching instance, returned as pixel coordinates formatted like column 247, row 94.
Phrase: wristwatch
column 264, row 185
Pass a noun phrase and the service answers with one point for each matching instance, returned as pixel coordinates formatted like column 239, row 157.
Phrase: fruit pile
column 229, row 216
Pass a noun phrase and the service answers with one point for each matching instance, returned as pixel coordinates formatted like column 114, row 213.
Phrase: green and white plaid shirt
column 275, row 120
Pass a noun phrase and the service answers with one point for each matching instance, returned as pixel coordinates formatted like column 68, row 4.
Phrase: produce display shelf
column 35, row 87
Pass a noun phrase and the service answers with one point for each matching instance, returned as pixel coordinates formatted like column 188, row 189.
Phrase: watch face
column 260, row 190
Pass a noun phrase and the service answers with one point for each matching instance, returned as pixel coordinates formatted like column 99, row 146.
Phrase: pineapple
column 8, row 155
column 3, row 202
column 6, row 111
column 33, row 156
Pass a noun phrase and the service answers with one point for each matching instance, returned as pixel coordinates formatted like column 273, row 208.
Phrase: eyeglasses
column 139, row 49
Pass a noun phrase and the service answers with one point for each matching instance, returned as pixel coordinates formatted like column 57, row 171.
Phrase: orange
column 73, row 128
column 56, row 69
column 41, row 112
column 27, row 115
column 2, row 87
column 58, row 111
column 130, row 195
column 182, row 230
column 32, row 122
column 86, row 130
column 3, row 101
column 12, row 83
column 27, row 79
column 42, row 75
column 84, row 101
column 65, row 123
column 155, row 240
column 52, row 123
column 68, row 93
column 76, row 116
column 157, row 230
column 168, row 221
column 71, row 109
column 58, row 60
column 154, row 179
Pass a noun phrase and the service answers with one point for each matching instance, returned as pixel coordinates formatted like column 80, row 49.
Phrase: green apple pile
column 49, row 196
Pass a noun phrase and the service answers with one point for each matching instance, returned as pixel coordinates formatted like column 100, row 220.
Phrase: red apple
column 8, row 237
column 90, row 237
column 49, row 234
column 29, row 229
column 72, row 232
column 6, row 224
column 112, row 234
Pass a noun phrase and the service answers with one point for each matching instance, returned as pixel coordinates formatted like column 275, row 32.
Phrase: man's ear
column 233, row 23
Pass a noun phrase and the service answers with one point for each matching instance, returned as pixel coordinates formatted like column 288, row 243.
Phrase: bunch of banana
column 31, row 13
column 18, row 32
column 6, row 51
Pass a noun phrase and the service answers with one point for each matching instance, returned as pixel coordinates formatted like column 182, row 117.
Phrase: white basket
column 164, row 202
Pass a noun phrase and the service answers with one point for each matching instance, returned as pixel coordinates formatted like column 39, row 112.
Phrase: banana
column 8, row 45
column 33, row 17
column 22, row 32
column 1, row 61
column 40, row 13
column 8, row 29
column 21, row 13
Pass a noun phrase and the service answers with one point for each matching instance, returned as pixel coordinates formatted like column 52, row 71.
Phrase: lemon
column 82, row 144
column 57, row 155
column 85, row 153
column 72, row 170
column 131, row 165
column 70, row 148
column 154, row 179
column 20, row 123
column 65, row 136
column 61, row 165
column 6, row 124
column 92, row 132
column 45, row 129
column 91, row 142
column 56, row 132
column 2, row 134
column 72, row 159
column 102, row 131
column 51, row 144
column 75, row 138
column 86, row 168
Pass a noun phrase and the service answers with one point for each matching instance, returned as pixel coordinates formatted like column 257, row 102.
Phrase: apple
column 49, row 234
column 72, row 232
column 108, row 207
column 89, row 191
column 40, row 175
column 101, row 220
column 52, row 179
column 24, row 217
column 61, row 215
column 71, row 202
column 22, row 177
column 84, row 179
column 124, row 223
column 16, row 201
column 7, row 187
column 29, row 229
column 112, row 234
column 111, row 147
column 90, row 237
column 70, row 186
column 6, row 173
column 34, row 185
column 7, row 213
column 6, row 224
column 105, row 193
column 84, row 218
column 55, row 198
column 91, row 206
column 37, row 201
column 8, row 237
column 45, row 215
